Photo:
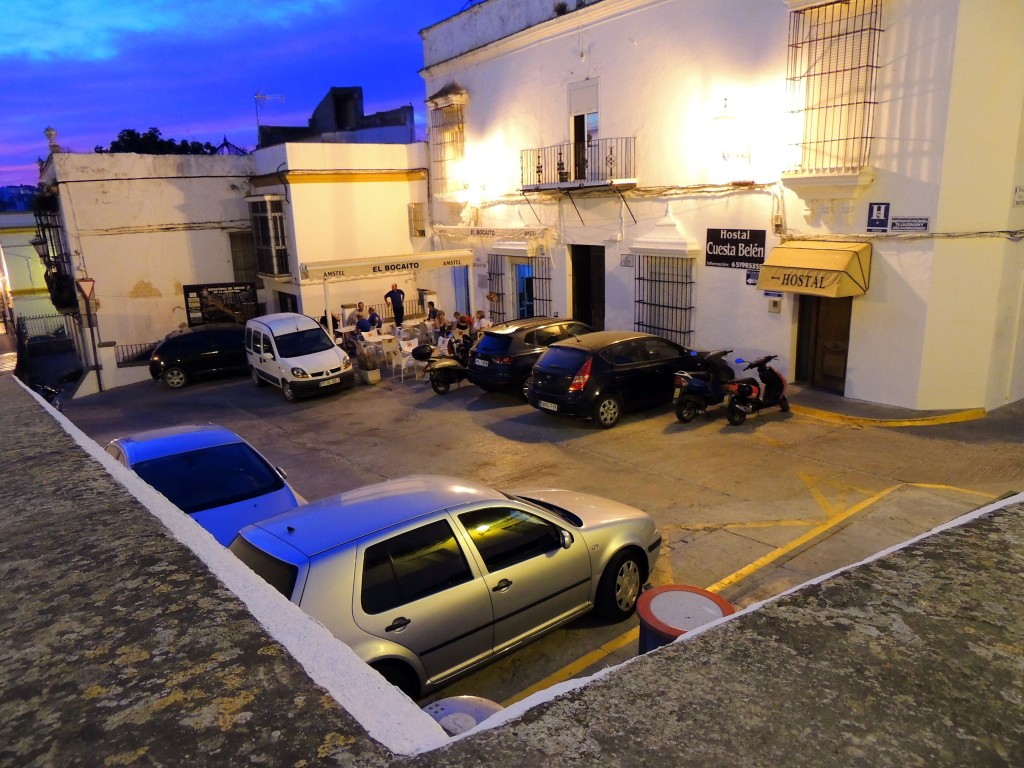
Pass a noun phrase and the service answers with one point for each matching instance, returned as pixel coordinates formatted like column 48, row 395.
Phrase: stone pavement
column 118, row 646
column 8, row 353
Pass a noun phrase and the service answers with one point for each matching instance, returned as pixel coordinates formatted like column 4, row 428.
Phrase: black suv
column 505, row 354
column 600, row 375
column 215, row 349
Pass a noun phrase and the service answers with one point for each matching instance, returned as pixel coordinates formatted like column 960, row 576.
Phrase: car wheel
column 524, row 388
column 784, row 405
column 288, row 392
column 400, row 676
column 607, row 411
column 687, row 408
column 735, row 415
column 175, row 378
column 620, row 587
column 256, row 378
column 440, row 384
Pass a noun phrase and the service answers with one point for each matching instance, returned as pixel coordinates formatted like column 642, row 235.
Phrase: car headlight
column 298, row 373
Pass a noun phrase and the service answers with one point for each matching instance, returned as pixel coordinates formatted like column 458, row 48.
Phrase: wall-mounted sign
column 1018, row 196
column 878, row 217
column 735, row 248
column 220, row 303
column 752, row 275
column 909, row 224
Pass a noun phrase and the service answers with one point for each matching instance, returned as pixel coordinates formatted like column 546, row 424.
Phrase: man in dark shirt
column 396, row 298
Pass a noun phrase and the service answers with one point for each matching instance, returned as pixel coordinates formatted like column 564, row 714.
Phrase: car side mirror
column 567, row 539
column 282, row 473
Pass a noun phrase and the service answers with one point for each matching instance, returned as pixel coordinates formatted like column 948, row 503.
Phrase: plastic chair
column 392, row 354
column 406, row 348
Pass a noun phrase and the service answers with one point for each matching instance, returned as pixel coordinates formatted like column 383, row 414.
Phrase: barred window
column 417, row 220
column 832, row 75
column 664, row 297
column 267, row 216
column 447, row 148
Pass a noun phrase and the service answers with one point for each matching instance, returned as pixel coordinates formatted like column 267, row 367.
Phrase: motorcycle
column 445, row 370
column 748, row 396
column 696, row 391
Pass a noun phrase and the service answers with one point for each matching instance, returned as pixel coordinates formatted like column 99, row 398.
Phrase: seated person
column 431, row 311
column 463, row 322
column 481, row 321
column 441, row 325
column 363, row 323
column 375, row 319
column 353, row 315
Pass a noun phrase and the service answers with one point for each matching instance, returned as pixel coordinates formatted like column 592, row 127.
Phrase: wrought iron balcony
column 604, row 162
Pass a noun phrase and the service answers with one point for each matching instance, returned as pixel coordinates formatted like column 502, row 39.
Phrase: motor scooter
column 696, row 391
column 748, row 396
column 445, row 370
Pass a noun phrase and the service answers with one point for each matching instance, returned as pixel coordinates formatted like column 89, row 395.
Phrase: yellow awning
column 385, row 265
column 818, row 268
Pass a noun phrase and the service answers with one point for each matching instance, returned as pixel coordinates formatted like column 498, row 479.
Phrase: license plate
column 329, row 382
column 547, row 406
column 481, row 363
column 677, row 393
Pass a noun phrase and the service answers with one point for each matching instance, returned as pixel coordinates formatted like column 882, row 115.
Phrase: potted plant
column 369, row 366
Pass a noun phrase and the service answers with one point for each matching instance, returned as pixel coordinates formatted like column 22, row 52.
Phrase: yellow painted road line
column 940, row 487
column 925, row 421
column 567, row 672
column 798, row 542
column 633, row 635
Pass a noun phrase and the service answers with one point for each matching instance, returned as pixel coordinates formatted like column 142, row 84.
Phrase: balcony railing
column 579, row 164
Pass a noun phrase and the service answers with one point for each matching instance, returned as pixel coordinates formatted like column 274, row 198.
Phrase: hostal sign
column 736, row 248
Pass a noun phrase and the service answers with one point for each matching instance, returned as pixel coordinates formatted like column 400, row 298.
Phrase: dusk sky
column 92, row 68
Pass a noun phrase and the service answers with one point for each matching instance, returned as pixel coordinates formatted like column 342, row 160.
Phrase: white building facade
column 831, row 182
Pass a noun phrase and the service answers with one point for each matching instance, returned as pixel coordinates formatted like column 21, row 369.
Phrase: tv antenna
column 261, row 96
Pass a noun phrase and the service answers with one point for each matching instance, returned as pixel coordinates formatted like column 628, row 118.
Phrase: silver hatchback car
column 428, row 577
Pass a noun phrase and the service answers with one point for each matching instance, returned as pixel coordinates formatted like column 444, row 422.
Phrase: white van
column 295, row 353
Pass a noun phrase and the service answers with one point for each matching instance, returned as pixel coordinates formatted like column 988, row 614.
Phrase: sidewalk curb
column 955, row 417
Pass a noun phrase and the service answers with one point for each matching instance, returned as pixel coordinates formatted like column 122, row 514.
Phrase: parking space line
column 834, row 518
column 570, row 670
column 810, row 535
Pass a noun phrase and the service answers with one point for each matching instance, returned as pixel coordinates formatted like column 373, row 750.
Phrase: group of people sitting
column 443, row 326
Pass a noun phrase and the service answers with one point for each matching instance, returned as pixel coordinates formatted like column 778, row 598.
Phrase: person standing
column 396, row 299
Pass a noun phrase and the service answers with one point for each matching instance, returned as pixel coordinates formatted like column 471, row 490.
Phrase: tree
column 151, row 143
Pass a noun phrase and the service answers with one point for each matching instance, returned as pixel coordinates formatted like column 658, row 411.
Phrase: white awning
column 385, row 265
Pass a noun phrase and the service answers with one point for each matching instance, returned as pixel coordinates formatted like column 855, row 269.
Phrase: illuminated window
column 447, row 146
column 267, row 216
column 833, row 64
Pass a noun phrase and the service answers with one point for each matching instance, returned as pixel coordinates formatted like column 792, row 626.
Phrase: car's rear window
column 494, row 344
column 277, row 573
column 210, row 477
column 564, row 359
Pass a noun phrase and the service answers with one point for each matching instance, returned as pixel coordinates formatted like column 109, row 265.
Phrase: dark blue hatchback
column 601, row 375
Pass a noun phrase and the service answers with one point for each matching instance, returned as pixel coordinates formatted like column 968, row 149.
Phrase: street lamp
column 41, row 248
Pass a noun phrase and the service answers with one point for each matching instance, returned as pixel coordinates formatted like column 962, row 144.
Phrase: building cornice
column 569, row 24
column 338, row 177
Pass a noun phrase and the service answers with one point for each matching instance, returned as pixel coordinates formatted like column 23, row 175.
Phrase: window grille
column 496, row 287
column 832, row 75
column 447, row 148
column 268, row 229
column 541, row 267
column 417, row 220
column 664, row 297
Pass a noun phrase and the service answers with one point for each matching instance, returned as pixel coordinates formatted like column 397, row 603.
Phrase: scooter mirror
column 740, row 360
column 693, row 353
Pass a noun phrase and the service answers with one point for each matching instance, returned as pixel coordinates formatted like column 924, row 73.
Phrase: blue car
column 210, row 473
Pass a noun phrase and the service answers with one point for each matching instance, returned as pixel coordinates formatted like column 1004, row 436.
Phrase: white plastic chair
column 407, row 360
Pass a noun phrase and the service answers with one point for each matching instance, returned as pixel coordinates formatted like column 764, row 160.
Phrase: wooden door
column 823, row 341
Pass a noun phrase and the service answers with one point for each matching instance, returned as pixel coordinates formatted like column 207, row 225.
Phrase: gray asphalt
column 119, row 647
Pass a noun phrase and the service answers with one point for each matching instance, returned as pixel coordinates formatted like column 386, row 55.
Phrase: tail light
column 502, row 359
column 579, row 381
column 680, row 380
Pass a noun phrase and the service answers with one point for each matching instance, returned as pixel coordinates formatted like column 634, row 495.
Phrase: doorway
column 524, row 290
column 588, row 284
column 823, row 341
